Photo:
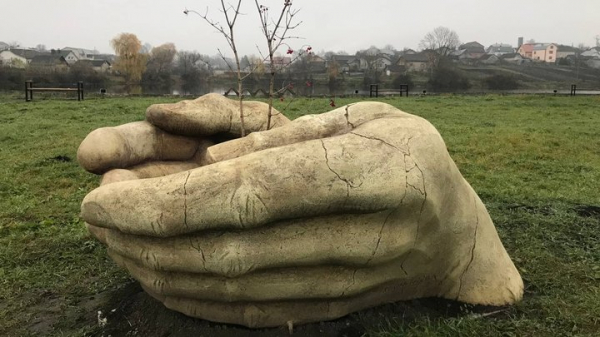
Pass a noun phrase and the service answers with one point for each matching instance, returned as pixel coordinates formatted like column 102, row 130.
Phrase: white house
column 18, row 58
column 499, row 49
column 3, row 46
column 10, row 59
column 564, row 51
column 514, row 58
column 81, row 53
column 592, row 52
column 100, row 66
column 69, row 55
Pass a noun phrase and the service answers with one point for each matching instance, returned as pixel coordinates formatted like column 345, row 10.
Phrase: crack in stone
column 159, row 223
column 379, row 238
column 424, row 193
column 378, row 139
column 403, row 270
column 185, row 224
column 197, row 247
column 349, row 184
column 239, row 208
column 262, row 202
column 472, row 250
column 153, row 227
column 351, row 284
column 347, row 115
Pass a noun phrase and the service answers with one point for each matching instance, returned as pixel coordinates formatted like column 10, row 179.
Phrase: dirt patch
column 544, row 210
column 588, row 211
column 133, row 313
column 61, row 158
column 46, row 315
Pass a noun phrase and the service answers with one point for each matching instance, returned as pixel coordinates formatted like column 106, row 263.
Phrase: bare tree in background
column 159, row 66
column 193, row 68
column 161, row 57
column 441, row 39
column 231, row 14
column 440, row 42
column 275, row 33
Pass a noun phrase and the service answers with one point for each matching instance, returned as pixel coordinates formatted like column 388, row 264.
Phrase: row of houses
column 473, row 53
column 59, row 58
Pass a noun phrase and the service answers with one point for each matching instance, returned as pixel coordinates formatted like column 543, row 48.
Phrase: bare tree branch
column 230, row 38
column 274, row 40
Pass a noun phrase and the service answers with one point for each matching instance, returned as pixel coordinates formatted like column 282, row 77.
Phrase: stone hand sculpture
column 309, row 221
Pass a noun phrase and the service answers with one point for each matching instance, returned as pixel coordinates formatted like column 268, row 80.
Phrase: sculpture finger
column 97, row 232
column 349, row 173
column 355, row 240
column 279, row 313
column 148, row 170
column 212, row 114
column 133, row 144
column 318, row 282
column 337, row 122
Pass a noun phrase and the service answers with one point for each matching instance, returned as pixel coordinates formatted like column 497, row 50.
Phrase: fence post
column 403, row 88
column 80, row 91
column 29, row 89
column 374, row 88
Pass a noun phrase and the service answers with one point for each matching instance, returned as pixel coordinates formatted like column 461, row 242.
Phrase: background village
column 469, row 67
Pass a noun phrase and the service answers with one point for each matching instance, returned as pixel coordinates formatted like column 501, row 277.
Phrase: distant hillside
column 534, row 76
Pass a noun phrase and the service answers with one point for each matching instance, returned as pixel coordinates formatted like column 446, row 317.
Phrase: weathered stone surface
column 309, row 221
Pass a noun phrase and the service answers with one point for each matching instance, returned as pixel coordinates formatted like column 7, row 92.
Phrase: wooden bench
column 374, row 90
column 29, row 89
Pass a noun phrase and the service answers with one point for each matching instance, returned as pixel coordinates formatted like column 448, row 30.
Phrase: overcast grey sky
column 348, row 25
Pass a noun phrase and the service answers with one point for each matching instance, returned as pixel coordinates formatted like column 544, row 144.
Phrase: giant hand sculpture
column 309, row 221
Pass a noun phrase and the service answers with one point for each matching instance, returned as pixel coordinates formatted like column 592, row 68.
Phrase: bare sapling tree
column 231, row 14
column 275, row 33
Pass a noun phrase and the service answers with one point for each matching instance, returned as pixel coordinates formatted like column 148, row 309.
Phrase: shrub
column 447, row 79
column 11, row 78
column 501, row 82
column 403, row 79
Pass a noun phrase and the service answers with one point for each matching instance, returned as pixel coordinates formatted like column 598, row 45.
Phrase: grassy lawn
column 534, row 161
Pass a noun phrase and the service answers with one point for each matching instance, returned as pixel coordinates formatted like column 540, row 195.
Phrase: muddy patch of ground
column 588, row 211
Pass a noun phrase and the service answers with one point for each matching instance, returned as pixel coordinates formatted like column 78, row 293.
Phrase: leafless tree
column 439, row 43
column 441, row 40
column 275, row 33
column 231, row 14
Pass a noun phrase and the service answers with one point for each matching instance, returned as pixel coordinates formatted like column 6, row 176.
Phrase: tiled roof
column 47, row 59
column 26, row 53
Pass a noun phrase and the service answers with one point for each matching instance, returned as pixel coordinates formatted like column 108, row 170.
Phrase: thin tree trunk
column 271, row 88
column 240, row 86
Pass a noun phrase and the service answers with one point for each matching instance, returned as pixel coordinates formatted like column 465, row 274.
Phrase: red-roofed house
column 526, row 50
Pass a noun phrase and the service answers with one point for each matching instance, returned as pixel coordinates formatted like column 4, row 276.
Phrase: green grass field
column 534, row 161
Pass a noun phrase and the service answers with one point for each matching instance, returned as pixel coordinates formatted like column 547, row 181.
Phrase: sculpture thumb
column 210, row 115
